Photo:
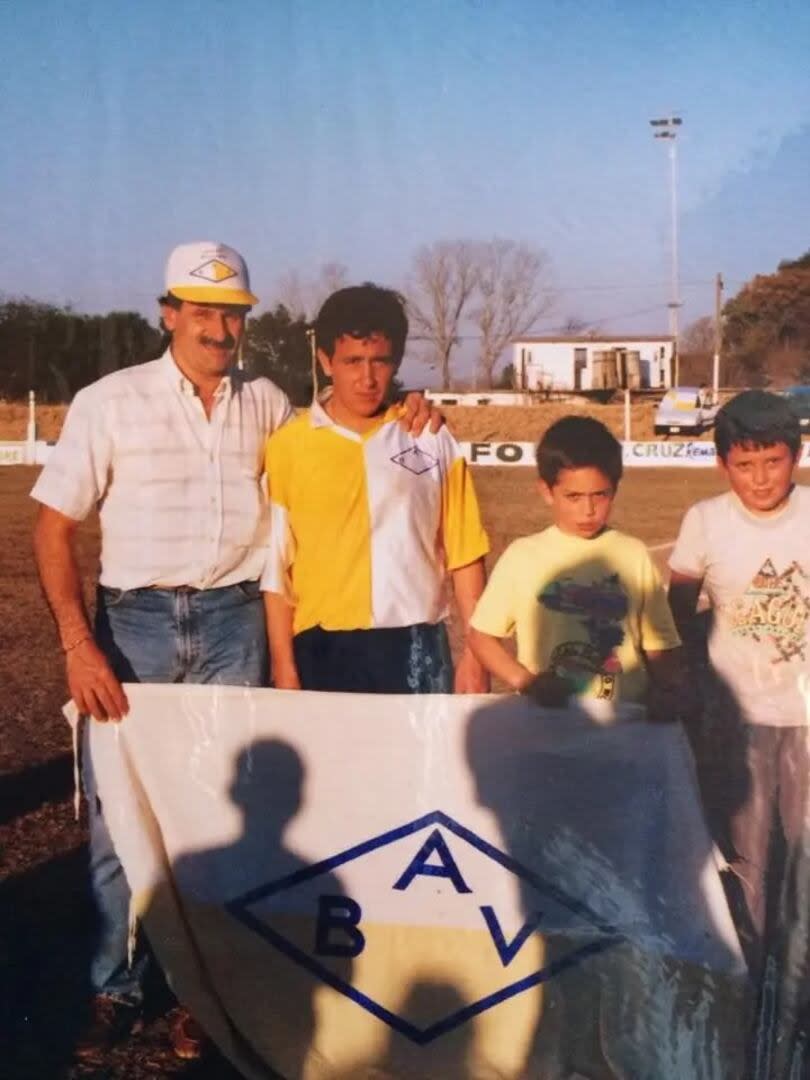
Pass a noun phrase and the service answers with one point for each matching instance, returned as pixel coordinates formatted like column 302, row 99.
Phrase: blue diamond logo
column 432, row 868
column 415, row 460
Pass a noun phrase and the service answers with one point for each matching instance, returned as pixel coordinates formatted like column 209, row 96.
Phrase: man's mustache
column 227, row 342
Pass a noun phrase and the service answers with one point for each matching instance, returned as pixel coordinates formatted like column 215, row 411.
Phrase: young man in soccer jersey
column 368, row 524
column 584, row 600
column 748, row 550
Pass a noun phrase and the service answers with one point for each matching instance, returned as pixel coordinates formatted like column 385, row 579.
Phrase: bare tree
column 575, row 325
column 442, row 281
column 513, row 291
column 698, row 337
column 303, row 297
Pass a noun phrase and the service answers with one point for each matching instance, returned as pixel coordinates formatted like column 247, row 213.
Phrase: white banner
column 677, row 454
column 357, row 885
column 25, row 453
column 661, row 454
column 13, row 453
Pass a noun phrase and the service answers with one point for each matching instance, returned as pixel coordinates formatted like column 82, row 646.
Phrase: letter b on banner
column 339, row 915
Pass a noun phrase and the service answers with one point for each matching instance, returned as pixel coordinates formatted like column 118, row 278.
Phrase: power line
column 613, row 288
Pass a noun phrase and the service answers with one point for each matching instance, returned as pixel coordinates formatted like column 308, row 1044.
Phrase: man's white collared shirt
column 181, row 497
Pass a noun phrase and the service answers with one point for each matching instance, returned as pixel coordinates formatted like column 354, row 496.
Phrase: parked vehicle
column 799, row 398
column 684, row 409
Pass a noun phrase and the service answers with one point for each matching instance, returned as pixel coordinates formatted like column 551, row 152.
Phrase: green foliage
column 766, row 331
column 55, row 351
column 802, row 263
column 506, row 378
column 276, row 345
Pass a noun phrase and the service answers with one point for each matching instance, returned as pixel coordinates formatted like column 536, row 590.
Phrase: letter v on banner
column 446, row 868
column 508, row 950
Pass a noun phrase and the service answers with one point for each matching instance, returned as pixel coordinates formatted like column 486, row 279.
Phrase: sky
column 309, row 132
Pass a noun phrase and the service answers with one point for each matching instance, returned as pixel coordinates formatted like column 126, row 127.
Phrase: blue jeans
column 393, row 660
column 161, row 636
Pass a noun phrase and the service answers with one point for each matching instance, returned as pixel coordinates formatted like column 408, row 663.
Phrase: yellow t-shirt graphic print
column 364, row 528
column 585, row 609
column 600, row 607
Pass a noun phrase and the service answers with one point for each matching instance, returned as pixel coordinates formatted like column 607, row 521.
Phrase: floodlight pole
column 666, row 127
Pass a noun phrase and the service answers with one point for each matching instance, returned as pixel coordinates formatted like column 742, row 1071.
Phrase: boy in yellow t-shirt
column 584, row 600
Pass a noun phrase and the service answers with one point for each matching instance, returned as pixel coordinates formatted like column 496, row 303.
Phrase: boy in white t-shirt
column 748, row 549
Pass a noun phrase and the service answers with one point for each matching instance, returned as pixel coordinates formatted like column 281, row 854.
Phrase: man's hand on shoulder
column 419, row 413
column 92, row 684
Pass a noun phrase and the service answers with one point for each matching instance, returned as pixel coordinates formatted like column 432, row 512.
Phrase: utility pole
column 718, row 336
column 666, row 127
column 313, row 359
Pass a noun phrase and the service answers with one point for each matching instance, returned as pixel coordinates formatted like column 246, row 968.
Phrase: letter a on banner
column 446, row 867
column 343, row 914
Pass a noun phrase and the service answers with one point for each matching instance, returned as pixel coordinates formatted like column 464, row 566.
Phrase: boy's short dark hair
column 360, row 311
column 579, row 442
column 756, row 418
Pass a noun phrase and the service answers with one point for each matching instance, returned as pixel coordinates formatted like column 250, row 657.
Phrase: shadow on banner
column 445, row 887
column 616, row 823
column 243, row 968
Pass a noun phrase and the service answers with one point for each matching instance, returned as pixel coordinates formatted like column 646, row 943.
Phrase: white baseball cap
column 209, row 273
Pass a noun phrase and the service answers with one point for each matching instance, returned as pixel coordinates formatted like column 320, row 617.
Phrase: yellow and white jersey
column 365, row 527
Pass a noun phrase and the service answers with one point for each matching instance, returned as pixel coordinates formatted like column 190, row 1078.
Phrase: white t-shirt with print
column 756, row 572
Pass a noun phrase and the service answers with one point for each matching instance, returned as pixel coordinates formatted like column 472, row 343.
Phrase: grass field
column 43, row 904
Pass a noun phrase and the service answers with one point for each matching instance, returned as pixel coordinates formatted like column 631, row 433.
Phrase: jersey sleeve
column 277, row 574
column 77, row 472
column 495, row 611
column 463, row 535
column 689, row 554
column 658, row 632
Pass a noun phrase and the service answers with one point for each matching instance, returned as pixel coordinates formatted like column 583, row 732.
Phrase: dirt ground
column 46, row 920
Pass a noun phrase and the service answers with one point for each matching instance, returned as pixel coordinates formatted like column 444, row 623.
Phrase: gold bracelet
column 75, row 644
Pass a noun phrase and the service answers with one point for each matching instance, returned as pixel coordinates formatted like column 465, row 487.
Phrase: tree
column 511, row 296
column 303, row 298
column 766, row 327
column 506, row 378
column 802, row 263
column 56, row 351
column 698, row 337
column 442, row 282
column 574, row 325
column 276, row 345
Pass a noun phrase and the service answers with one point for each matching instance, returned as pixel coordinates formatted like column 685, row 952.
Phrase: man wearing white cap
column 171, row 453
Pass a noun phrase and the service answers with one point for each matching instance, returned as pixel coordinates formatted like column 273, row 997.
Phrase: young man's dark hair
column 756, row 418
column 579, row 442
column 361, row 311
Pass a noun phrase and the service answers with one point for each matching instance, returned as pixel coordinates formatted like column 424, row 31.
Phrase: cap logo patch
column 214, row 270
